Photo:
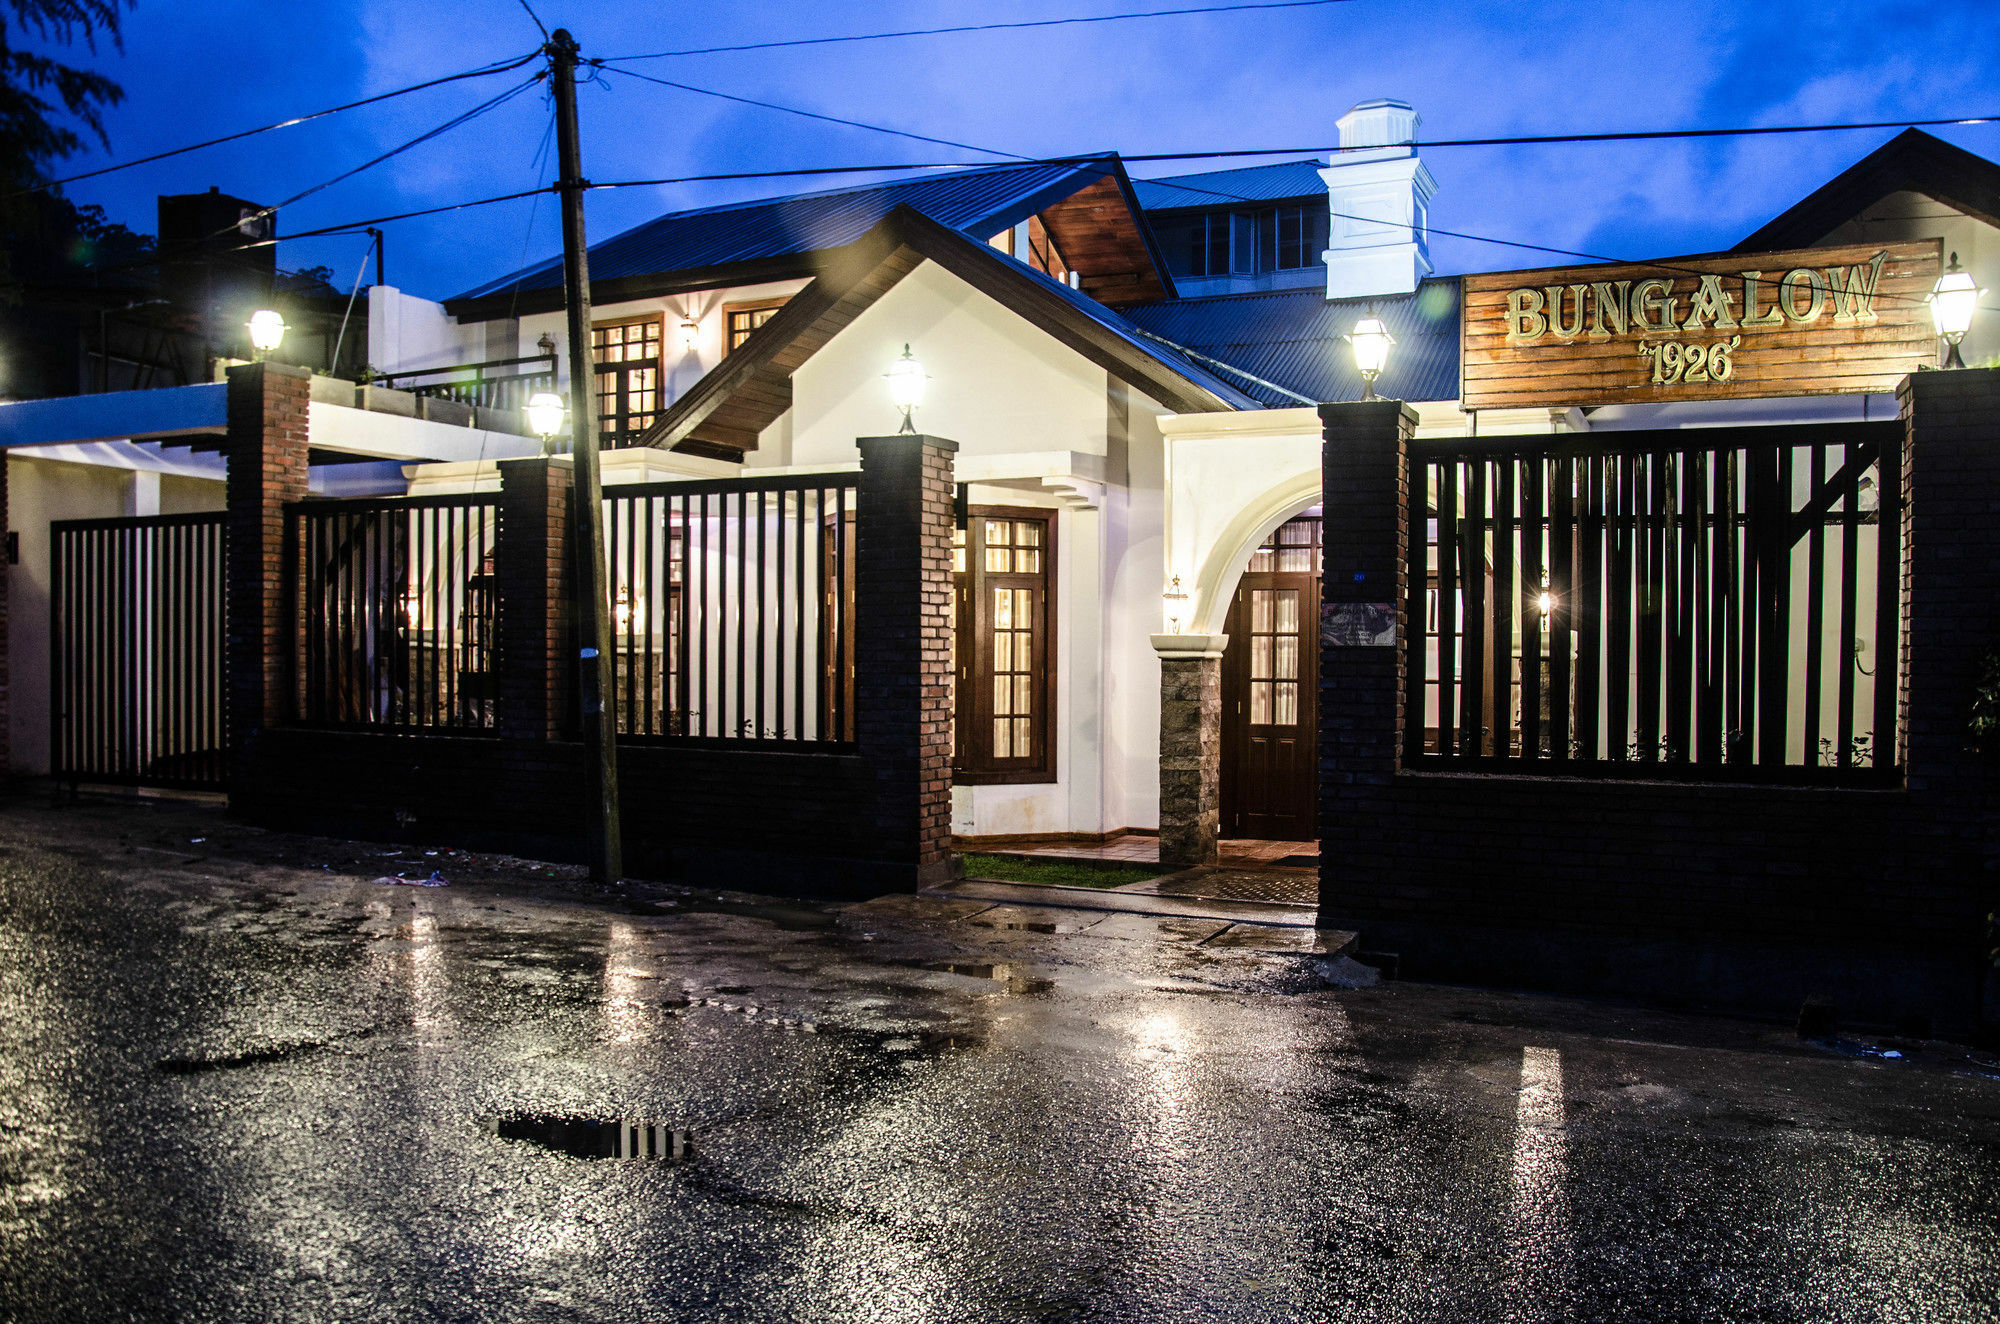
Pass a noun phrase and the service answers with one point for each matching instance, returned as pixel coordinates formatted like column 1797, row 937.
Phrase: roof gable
column 1914, row 161
column 727, row 409
column 1087, row 204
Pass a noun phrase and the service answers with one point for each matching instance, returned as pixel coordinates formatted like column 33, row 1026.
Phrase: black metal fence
column 733, row 615
column 494, row 384
column 136, row 629
column 397, row 612
column 1715, row 601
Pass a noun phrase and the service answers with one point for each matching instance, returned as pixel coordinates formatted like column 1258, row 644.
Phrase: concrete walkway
column 1261, row 925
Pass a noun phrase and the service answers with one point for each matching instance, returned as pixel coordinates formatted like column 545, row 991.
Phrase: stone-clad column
column 902, row 654
column 1190, row 747
column 266, row 445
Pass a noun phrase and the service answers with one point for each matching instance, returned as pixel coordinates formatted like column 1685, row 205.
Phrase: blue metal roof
column 1293, row 338
column 977, row 202
column 1218, row 188
column 1234, row 391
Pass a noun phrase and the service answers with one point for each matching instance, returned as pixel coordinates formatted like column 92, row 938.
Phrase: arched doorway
column 1270, row 689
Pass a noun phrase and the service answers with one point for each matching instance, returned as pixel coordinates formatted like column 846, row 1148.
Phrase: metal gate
column 136, row 635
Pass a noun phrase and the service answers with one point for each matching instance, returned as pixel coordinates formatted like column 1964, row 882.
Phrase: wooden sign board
column 1814, row 321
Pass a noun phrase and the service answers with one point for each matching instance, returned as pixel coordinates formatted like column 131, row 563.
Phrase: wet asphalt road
column 237, row 1085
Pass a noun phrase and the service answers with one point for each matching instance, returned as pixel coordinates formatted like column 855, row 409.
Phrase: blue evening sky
column 1248, row 80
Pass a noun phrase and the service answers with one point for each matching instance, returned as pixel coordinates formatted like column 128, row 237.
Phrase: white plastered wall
column 1037, row 425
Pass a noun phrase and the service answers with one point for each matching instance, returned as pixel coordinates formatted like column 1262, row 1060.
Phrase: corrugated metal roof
column 1293, row 338
column 978, row 202
column 1237, row 393
column 1215, row 188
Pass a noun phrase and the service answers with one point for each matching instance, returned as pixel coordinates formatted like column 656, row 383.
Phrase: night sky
column 1248, row 80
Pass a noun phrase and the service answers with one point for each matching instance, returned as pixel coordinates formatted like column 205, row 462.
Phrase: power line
column 1291, row 151
column 482, row 72
column 815, row 115
column 977, row 27
column 1529, row 140
column 491, row 103
column 537, row 18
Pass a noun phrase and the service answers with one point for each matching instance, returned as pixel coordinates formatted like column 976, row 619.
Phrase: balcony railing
column 494, row 384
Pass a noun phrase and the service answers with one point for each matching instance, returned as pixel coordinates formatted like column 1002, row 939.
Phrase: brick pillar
column 1364, row 486
column 265, row 446
column 1190, row 747
column 1950, row 623
column 531, row 569
column 6, row 656
column 902, row 662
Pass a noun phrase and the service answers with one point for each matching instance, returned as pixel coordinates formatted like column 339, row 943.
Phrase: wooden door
column 1270, row 691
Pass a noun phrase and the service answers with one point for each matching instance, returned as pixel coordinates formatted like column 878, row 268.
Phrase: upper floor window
column 1245, row 242
column 740, row 319
column 626, row 354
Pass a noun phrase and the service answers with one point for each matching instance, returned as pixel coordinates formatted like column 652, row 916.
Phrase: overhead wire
column 811, row 114
column 483, row 71
column 975, row 27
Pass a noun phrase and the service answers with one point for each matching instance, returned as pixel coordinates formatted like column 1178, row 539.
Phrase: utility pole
column 376, row 235
column 593, row 616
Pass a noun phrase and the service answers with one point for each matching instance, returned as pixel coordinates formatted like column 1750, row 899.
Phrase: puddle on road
column 794, row 919
column 595, row 1137
column 999, row 972
column 192, row 1066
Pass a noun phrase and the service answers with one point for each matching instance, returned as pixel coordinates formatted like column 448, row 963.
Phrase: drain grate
column 596, row 1137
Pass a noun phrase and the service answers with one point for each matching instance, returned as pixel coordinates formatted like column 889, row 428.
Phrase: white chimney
column 1379, row 192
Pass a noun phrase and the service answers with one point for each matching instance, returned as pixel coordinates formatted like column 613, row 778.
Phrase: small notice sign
column 1358, row 624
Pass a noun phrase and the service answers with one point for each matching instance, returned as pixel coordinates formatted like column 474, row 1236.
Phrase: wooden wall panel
column 1866, row 336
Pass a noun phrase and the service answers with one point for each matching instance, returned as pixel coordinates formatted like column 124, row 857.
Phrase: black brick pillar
column 903, row 620
column 530, row 569
column 1364, row 482
column 266, row 446
column 1950, row 626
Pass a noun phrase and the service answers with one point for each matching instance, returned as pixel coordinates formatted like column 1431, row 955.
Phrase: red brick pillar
column 266, row 448
column 531, row 571
column 902, row 689
column 1364, row 490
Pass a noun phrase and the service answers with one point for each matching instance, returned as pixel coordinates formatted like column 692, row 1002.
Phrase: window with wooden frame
column 1004, row 651
column 626, row 354
column 740, row 319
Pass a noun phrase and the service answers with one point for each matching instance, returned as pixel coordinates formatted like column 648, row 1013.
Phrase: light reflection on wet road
column 256, row 1093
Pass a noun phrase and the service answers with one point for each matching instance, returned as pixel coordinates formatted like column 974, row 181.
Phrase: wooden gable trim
column 752, row 387
column 1099, row 239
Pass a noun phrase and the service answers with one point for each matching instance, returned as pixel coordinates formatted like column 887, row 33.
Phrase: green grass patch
column 1057, row 873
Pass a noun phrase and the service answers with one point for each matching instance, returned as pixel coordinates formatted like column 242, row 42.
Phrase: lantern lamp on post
column 1952, row 302
column 546, row 413
column 1371, row 341
column 906, row 387
column 267, row 331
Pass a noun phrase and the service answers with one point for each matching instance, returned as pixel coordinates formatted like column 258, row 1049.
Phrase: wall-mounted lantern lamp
column 267, row 331
column 690, row 335
column 545, row 413
column 906, row 387
column 1952, row 302
column 1176, row 599
column 1371, row 341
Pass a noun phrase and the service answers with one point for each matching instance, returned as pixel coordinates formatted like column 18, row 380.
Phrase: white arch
column 1215, row 583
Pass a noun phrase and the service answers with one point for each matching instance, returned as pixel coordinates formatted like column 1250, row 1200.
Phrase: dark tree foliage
column 46, row 106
